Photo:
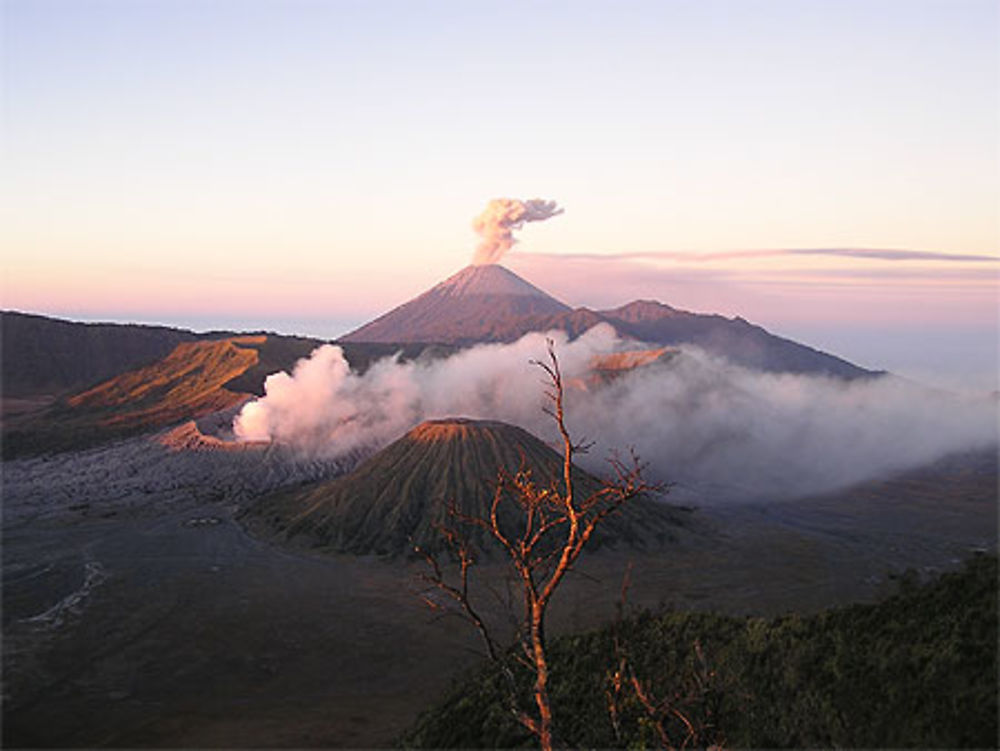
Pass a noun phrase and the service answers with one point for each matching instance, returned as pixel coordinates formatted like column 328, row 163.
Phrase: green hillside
column 918, row 670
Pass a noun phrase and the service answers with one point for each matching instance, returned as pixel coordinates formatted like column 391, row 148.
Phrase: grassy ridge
column 917, row 670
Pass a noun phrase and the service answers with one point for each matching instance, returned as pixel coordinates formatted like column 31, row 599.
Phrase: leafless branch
column 551, row 532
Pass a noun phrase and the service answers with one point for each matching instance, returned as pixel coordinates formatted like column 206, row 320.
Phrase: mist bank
column 719, row 431
column 955, row 357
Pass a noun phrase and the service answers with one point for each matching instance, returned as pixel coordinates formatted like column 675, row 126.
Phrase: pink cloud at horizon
column 146, row 292
column 770, row 287
column 912, row 288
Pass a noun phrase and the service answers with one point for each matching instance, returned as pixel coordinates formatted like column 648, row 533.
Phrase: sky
column 830, row 170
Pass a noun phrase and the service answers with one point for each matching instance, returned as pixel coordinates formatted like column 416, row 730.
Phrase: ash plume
column 723, row 432
column 500, row 218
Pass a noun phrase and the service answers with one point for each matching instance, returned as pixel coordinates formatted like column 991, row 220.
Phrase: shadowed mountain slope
column 492, row 304
column 274, row 353
column 43, row 355
column 733, row 338
column 393, row 501
column 53, row 357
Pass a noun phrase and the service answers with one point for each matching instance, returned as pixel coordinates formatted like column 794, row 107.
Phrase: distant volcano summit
column 473, row 305
column 489, row 303
column 494, row 280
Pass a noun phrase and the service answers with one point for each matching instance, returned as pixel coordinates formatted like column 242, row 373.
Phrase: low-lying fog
column 718, row 431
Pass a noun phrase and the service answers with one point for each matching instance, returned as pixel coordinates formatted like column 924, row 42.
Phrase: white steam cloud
column 500, row 218
column 718, row 430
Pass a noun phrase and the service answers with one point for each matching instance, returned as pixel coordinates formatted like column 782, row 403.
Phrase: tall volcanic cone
column 488, row 303
column 393, row 500
column 462, row 309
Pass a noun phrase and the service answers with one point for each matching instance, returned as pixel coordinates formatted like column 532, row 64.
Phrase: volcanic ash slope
column 393, row 501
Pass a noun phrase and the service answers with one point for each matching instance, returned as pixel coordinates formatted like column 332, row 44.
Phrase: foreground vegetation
column 917, row 670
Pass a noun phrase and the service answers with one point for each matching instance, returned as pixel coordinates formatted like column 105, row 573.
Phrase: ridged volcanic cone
column 393, row 501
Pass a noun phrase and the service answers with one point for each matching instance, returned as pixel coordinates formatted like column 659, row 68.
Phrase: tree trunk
column 541, row 677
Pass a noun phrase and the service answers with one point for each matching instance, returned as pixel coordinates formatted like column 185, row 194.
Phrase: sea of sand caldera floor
column 137, row 613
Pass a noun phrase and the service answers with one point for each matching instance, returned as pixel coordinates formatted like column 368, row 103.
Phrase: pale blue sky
column 323, row 160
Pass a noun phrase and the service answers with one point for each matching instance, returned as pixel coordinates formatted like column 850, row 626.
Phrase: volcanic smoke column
column 499, row 220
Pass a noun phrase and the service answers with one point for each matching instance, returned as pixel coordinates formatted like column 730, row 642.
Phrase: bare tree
column 691, row 707
column 682, row 718
column 553, row 526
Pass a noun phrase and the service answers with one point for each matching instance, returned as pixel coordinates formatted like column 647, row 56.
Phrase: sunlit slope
column 395, row 499
column 189, row 382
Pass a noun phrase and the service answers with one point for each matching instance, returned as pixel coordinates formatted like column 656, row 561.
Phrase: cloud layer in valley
column 719, row 430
